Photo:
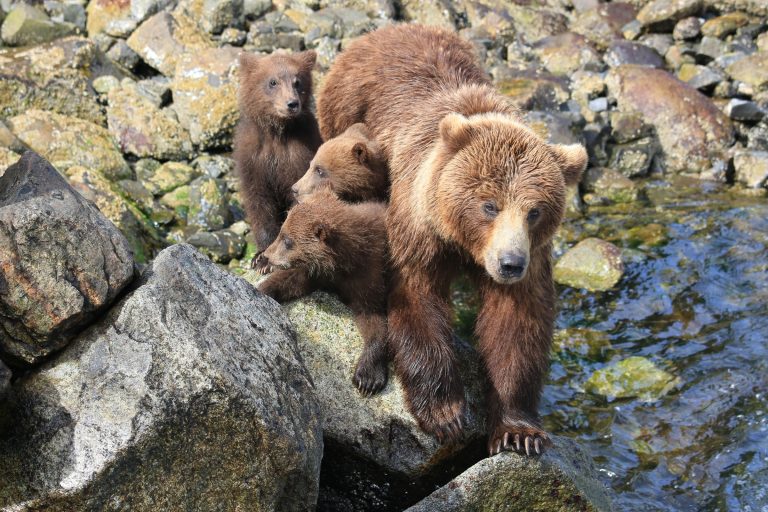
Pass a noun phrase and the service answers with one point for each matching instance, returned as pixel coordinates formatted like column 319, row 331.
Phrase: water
column 694, row 300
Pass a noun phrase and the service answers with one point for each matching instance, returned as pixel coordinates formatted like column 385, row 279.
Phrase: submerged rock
column 632, row 377
column 693, row 133
column 562, row 479
column 592, row 264
column 63, row 261
column 189, row 394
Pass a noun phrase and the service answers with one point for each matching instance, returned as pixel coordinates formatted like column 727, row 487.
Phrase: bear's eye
column 273, row 83
column 288, row 243
column 297, row 84
column 490, row 208
column 320, row 172
column 533, row 214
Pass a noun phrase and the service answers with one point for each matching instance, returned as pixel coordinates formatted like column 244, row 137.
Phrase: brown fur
column 352, row 165
column 273, row 145
column 473, row 190
column 327, row 244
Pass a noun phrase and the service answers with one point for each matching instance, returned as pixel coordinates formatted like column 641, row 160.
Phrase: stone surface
column 752, row 70
column 54, row 76
column 378, row 429
column 692, row 131
column 567, row 52
column 63, row 261
column 604, row 23
column 221, row 246
column 611, row 184
column 189, row 394
column 687, row 28
column 205, row 95
column 440, row 13
column 751, row 168
column 632, row 377
column 628, row 52
column 700, row 77
column 592, row 264
column 209, row 204
column 563, row 479
column 743, row 110
column 633, row 159
column 142, row 129
column 667, row 12
column 725, row 25
column 66, row 141
column 27, row 25
column 103, row 12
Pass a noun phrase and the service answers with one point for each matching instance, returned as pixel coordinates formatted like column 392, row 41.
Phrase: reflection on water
column 694, row 300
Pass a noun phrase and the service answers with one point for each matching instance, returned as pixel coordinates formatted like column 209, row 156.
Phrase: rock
column 205, row 95
column 632, row 377
column 103, row 12
column 122, row 54
column 63, row 262
column 137, row 228
column 383, row 9
column 659, row 42
column 9, row 141
column 7, row 159
column 216, row 15
column 190, row 393
column 270, row 33
column 632, row 30
column 564, row 478
column 209, row 204
column 610, row 185
column 664, row 13
column 628, row 126
column 743, row 110
column 233, row 36
column 692, row 131
column 700, row 77
column 709, row 49
column 587, row 343
column 254, row 9
column 687, row 28
column 603, row 24
column 725, row 25
column 120, row 28
column 143, row 9
column 567, row 52
column 534, row 91
column 439, row 13
column 632, row 160
column 170, row 176
column 54, row 76
column 220, row 246
column 66, row 141
column 598, row 105
column 215, row 166
column 73, row 13
column 592, row 264
column 751, row 168
column 142, row 129
column 646, row 236
column 106, row 83
column 165, row 38
column 336, row 23
column 156, row 89
column 628, row 52
column 752, row 70
column 5, row 381
column 26, row 25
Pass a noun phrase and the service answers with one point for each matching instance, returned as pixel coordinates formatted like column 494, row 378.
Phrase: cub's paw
column 370, row 377
column 260, row 264
column 521, row 436
column 443, row 420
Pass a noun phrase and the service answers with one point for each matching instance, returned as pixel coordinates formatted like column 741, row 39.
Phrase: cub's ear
column 455, row 131
column 320, row 232
column 249, row 60
column 307, row 59
column 360, row 130
column 572, row 159
column 360, row 152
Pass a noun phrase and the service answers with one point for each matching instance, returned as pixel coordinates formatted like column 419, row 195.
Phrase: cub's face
column 276, row 86
column 502, row 190
column 303, row 241
column 342, row 164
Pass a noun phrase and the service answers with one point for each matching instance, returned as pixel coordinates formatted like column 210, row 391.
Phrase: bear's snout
column 512, row 265
column 293, row 106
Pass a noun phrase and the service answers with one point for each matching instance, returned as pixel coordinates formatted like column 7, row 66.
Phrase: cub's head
column 501, row 192
column 351, row 165
column 276, row 87
column 305, row 239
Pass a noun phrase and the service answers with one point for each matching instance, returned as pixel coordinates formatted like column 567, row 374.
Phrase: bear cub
column 327, row 244
column 352, row 165
column 276, row 137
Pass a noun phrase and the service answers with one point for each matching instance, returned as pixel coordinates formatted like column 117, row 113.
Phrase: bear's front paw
column 370, row 377
column 522, row 436
column 260, row 264
column 444, row 420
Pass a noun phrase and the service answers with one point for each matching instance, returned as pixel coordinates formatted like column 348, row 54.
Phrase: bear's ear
column 360, row 152
column 359, row 129
column 249, row 61
column 572, row 159
column 320, row 232
column 307, row 59
column 455, row 131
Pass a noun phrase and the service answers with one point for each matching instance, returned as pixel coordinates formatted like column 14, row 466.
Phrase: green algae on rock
column 592, row 264
column 632, row 377
column 67, row 141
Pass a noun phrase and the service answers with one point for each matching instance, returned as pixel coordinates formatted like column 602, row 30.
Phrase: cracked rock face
column 61, row 261
column 189, row 395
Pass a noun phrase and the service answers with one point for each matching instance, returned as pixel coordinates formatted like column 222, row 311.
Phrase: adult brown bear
column 472, row 190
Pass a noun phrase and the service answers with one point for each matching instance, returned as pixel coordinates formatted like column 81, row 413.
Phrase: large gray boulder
column 63, row 262
column 563, row 479
column 189, row 395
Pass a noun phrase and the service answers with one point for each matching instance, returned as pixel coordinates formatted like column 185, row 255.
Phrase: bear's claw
column 521, row 436
column 370, row 379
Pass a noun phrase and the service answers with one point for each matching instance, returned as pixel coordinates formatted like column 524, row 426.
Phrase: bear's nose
column 293, row 105
column 512, row 265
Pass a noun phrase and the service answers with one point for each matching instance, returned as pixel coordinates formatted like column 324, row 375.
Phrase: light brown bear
column 351, row 165
column 327, row 244
column 276, row 137
column 473, row 190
